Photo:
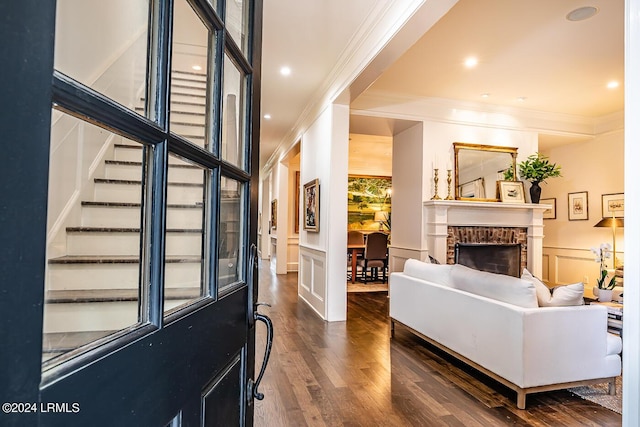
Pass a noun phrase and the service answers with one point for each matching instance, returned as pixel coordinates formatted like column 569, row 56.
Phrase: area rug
column 598, row 393
column 368, row 287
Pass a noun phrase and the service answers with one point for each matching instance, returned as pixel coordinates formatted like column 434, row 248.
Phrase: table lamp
column 380, row 217
column 613, row 223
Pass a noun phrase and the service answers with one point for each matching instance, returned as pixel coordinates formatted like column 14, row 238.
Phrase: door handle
column 253, row 387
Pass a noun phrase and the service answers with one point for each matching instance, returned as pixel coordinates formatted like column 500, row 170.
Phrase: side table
column 614, row 320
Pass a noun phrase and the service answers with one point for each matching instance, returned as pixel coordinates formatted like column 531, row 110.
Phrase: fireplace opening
column 501, row 258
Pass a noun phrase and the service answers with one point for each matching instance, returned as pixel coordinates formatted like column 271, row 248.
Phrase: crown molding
column 402, row 106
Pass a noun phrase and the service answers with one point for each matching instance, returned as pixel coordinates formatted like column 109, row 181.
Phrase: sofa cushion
column 561, row 296
column 512, row 290
column 435, row 273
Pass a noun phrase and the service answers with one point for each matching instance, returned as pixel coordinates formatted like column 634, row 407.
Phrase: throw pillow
column 512, row 290
column 567, row 295
column 543, row 293
column 435, row 273
column 557, row 297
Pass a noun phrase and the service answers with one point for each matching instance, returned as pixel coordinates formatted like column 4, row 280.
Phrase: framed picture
column 511, row 191
column 312, row 206
column 274, row 214
column 613, row 205
column 578, row 206
column 551, row 212
column 367, row 195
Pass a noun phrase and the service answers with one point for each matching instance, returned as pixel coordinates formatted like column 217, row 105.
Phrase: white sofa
column 493, row 323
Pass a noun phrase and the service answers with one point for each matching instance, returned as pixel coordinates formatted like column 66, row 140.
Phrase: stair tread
column 137, row 205
column 117, row 259
column 190, row 103
column 189, row 73
column 174, row 123
column 113, row 295
column 133, row 163
column 187, row 113
column 183, row 86
column 126, row 230
column 136, row 182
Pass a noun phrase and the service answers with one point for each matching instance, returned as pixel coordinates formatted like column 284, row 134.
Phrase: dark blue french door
column 128, row 212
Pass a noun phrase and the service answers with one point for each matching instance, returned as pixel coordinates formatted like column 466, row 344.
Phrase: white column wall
column 282, row 231
column 631, row 333
column 265, row 200
column 408, row 188
column 322, row 268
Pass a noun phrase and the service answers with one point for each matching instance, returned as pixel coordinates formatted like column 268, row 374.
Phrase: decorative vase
column 604, row 295
column 535, row 192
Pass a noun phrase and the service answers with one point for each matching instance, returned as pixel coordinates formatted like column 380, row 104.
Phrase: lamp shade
column 610, row 222
column 380, row 216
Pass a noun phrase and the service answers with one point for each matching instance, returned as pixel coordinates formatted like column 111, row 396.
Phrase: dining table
column 354, row 250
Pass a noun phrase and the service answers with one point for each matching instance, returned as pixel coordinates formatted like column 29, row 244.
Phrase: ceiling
column 529, row 56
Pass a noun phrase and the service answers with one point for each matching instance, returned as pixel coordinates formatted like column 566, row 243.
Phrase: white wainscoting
column 312, row 283
column 293, row 253
column 398, row 256
column 273, row 259
column 561, row 266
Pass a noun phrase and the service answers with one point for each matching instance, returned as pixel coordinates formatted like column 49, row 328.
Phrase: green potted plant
column 536, row 169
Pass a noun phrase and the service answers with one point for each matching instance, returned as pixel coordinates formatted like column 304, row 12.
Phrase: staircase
column 93, row 290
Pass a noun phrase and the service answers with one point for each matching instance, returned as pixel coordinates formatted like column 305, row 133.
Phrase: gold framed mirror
column 478, row 168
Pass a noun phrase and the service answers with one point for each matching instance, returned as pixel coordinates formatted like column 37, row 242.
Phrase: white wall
column 293, row 238
column 631, row 333
column 595, row 166
column 112, row 37
column 407, row 226
column 438, row 150
column 324, row 156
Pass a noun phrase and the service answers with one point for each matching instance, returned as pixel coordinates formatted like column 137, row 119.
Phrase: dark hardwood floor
column 351, row 374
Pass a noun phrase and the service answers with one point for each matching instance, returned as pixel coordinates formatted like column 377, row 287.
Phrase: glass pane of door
column 233, row 114
column 103, row 45
column 184, row 239
column 189, row 75
column 93, row 248
column 231, row 233
column 236, row 19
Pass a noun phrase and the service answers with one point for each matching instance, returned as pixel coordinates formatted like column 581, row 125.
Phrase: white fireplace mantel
column 441, row 214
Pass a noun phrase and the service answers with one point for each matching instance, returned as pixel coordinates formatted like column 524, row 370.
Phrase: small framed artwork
column 551, row 212
column 274, row 214
column 578, row 206
column 613, row 205
column 312, row 206
column 511, row 191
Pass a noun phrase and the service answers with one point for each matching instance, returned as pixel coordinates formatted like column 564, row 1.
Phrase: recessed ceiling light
column 471, row 62
column 197, row 67
column 582, row 13
column 613, row 84
column 285, row 71
column 267, row 116
column 485, row 95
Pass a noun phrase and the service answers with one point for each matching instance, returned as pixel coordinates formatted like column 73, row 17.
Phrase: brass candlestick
column 449, row 185
column 435, row 181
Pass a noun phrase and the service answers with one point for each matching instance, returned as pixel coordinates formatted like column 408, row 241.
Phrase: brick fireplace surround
column 488, row 236
column 451, row 221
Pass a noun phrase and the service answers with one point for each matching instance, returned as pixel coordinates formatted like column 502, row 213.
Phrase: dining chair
column 375, row 257
column 354, row 237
